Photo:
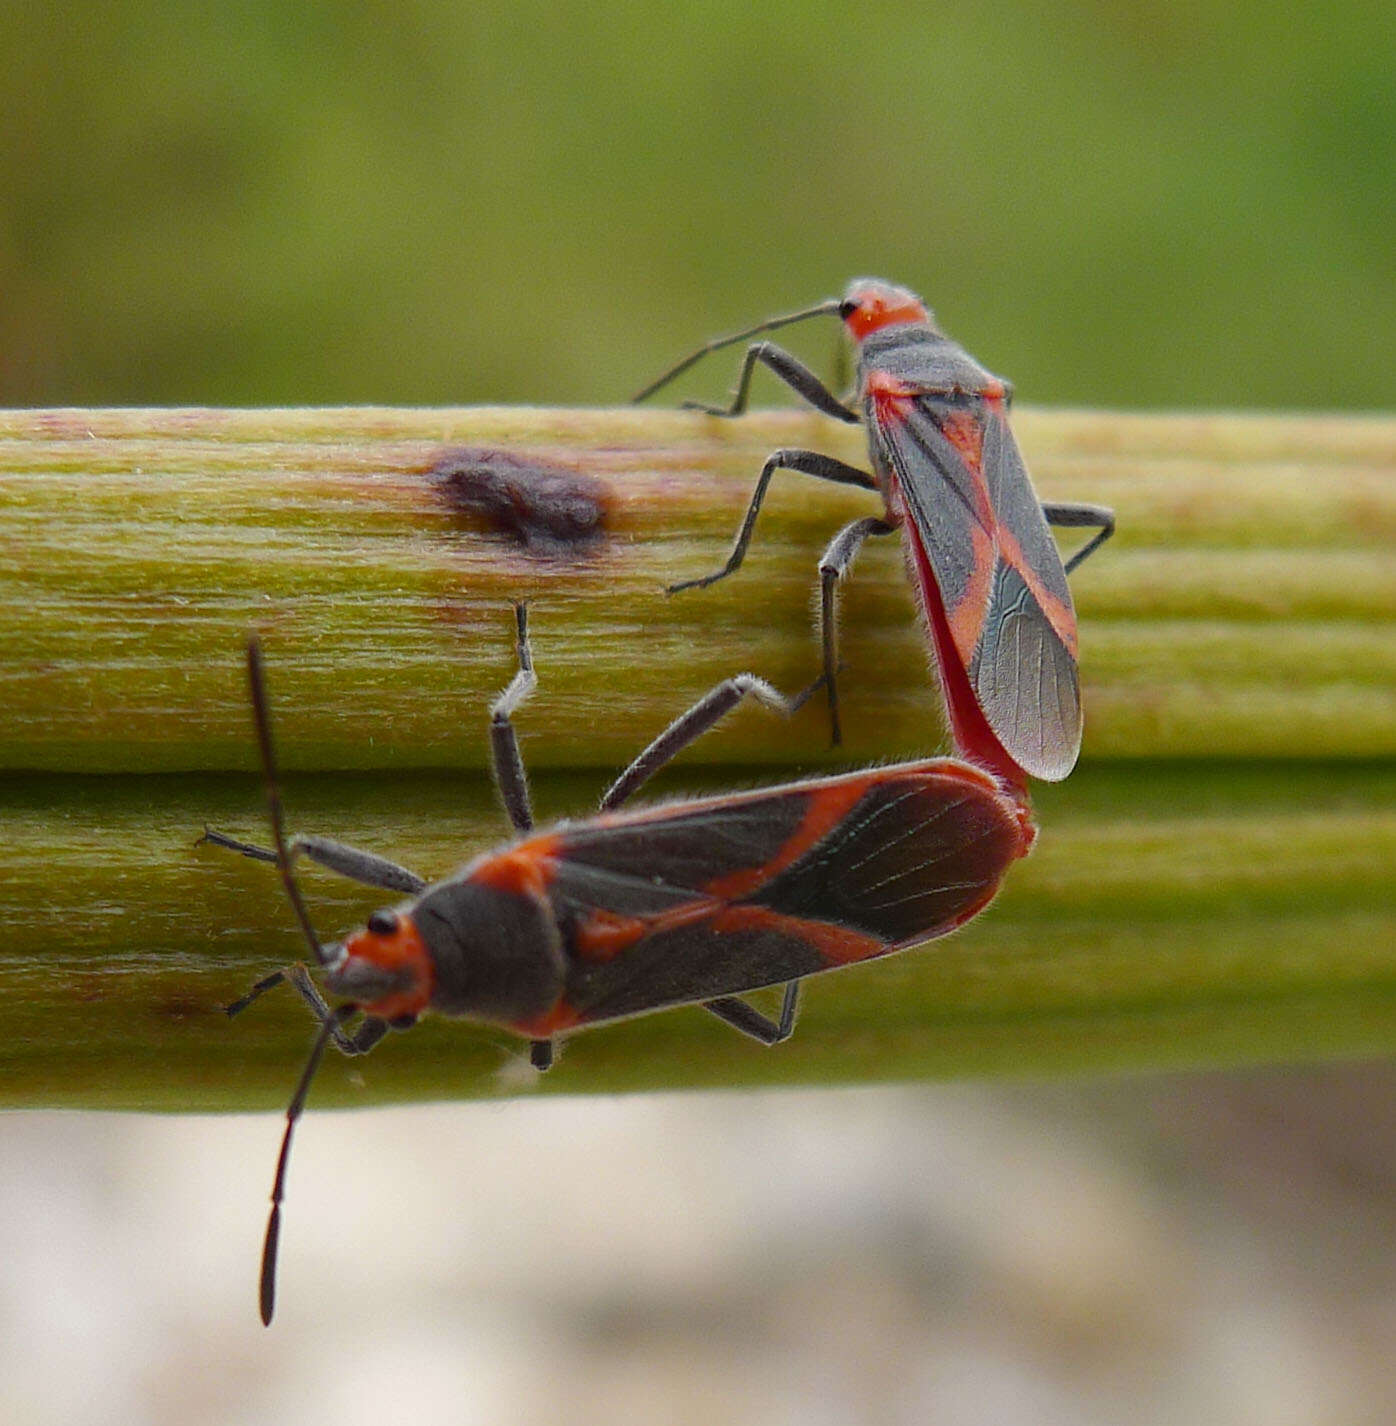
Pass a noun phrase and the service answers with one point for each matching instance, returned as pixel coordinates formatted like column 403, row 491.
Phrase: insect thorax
column 497, row 954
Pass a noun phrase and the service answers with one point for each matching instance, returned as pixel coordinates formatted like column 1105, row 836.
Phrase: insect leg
column 793, row 373
column 509, row 774
column 540, row 1054
column 807, row 463
column 740, row 1016
column 359, row 1043
column 270, row 982
column 1072, row 514
column 838, row 560
column 352, row 862
column 691, row 725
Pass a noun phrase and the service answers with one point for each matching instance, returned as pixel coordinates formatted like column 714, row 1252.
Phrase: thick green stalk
column 1244, row 609
column 1213, row 886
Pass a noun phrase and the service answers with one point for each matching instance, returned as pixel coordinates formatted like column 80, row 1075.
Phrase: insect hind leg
column 751, row 1022
column 837, row 561
column 270, row 982
column 509, row 775
column 689, row 726
column 1077, row 514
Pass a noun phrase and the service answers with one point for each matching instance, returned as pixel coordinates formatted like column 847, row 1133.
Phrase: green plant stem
column 1246, row 607
column 1212, row 887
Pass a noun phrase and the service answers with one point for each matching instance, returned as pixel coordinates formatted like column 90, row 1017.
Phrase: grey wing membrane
column 1020, row 667
column 1026, row 673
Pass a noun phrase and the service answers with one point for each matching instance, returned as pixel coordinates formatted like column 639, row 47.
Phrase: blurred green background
column 1132, row 203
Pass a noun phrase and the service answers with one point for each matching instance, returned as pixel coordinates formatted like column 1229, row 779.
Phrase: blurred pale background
column 1124, row 204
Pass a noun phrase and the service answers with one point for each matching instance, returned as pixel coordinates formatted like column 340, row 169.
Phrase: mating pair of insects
column 696, row 902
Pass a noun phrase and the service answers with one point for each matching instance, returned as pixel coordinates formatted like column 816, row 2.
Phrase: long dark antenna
column 267, row 1291
column 828, row 308
column 256, row 679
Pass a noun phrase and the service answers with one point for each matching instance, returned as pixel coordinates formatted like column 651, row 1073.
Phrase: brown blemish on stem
column 545, row 508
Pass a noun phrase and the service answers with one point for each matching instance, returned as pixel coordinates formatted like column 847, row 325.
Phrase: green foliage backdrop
column 1122, row 204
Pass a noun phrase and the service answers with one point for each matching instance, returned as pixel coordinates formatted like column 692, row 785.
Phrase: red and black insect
column 989, row 578
column 684, row 903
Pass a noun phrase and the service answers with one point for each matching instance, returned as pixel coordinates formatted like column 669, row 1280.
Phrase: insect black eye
column 847, row 308
column 383, row 923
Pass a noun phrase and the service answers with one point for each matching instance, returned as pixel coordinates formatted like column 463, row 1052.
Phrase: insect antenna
column 267, row 1284
column 829, row 308
column 257, row 682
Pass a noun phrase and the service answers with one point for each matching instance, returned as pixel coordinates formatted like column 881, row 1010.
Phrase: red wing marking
column 604, row 934
column 1060, row 616
column 966, row 433
column 966, row 619
column 523, row 870
column 551, row 1022
column 968, row 725
column 1057, row 611
column 837, row 944
column 893, row 400
column 964, row 430
column 828, row 806
column 990, row 541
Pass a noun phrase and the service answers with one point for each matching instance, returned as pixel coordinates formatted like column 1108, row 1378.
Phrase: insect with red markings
column 988, row 576
column 689, row 902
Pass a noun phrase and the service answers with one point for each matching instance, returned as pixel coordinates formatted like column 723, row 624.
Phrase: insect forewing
column 714, row 898
column 996, row 567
